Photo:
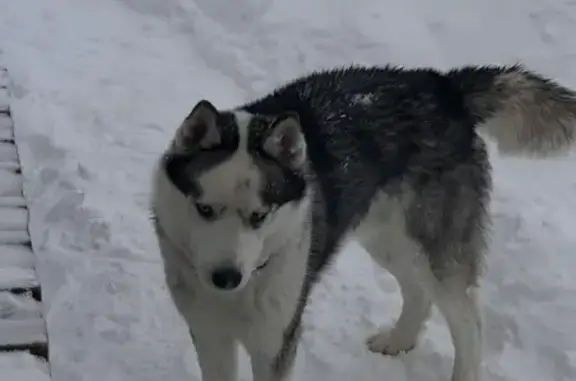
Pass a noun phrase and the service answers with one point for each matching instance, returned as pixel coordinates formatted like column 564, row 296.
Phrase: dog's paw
column 390, row 342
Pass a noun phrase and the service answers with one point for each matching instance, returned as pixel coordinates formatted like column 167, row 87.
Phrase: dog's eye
column 206, row 211
column 257, row 218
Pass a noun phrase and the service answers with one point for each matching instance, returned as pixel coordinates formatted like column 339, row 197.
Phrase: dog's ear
column 286, row 142
column 199, row 129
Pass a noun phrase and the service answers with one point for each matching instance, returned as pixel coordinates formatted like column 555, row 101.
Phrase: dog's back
column 372, row 107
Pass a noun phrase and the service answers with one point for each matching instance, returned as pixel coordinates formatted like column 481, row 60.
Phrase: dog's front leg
column 272, row 351
column 217, row 353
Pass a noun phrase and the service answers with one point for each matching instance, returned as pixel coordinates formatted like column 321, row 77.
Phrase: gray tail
column 524, row 112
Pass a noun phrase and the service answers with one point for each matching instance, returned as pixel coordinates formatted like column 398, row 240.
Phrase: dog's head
column 244, row 181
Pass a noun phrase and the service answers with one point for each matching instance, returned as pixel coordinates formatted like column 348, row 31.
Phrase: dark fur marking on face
column 184, row 168
column 281, row 184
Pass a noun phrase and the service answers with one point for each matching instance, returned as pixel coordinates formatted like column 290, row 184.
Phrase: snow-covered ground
column 99, row 87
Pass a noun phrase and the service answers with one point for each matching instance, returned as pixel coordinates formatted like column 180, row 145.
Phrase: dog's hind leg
column 434, row 249
column 459, row 307
column 419, row 288
column 448, row 219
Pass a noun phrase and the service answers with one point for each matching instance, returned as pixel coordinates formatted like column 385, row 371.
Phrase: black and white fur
column 251, row 204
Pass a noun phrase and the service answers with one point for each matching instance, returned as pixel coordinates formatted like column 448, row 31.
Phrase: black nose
column 226, row 278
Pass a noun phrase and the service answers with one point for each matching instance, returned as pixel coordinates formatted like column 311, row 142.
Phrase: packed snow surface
column 100, row 86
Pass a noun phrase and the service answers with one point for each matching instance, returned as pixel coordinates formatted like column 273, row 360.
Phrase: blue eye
column 205, row 211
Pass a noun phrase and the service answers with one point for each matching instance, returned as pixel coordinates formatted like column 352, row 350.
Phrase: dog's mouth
column 263, row 265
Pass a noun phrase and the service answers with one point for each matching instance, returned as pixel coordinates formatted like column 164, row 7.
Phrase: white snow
column 100, row 86
column 363, row 99
column 23, row 367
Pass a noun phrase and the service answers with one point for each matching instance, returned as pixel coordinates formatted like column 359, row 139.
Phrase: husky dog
column 251, row 204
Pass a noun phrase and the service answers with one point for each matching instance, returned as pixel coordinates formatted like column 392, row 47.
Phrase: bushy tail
column 524, row 112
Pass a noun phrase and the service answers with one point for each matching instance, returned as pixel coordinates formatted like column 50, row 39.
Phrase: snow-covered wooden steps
column 22, row 366
column 22, row 328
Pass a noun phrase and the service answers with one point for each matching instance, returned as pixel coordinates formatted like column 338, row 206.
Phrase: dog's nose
column 226, row 278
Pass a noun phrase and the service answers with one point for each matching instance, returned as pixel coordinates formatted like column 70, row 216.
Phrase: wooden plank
column 22, row 332
column 3, row 77
column 6, row 136
column 10, row 184
column 6, row 123
column 8, row 152
column 15, row 201
column 11, row 166
column 6, row 127
column 13, row 219
column 16, row 256
column 22, row 366
column 18, row 307
column 17, row 278
column 21, row 322
column 4, row 104
column 14, row 237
